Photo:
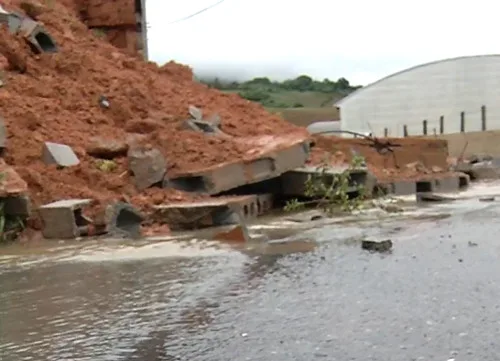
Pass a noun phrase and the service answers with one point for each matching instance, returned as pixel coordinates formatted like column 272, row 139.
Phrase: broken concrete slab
column 195, row 112
column 106, row 148
column 35, row 34
column 485, row 170
column 60, row 154
column 402, row 188
column 37, row 37
column 120, row 219
column 293, row 183
column 215, row 120
column 64, row 219
column 147, row 165
column 223, row 177
column 211, row 212
column 202, row 126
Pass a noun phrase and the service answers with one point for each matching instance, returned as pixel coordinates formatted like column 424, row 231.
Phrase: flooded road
column 436, row 297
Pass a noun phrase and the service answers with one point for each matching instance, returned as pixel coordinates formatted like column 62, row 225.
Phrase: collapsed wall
column 56, row 97
column 121, row 22
column 408, row 158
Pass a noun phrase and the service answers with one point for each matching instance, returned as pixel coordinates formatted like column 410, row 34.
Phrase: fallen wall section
column 122, row 22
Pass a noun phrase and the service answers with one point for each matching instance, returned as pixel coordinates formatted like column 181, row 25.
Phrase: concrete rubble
column 159, row 149
column 120, row 219
column 65, row 219
column 147, row 165
column 213, row 212
column 59, row 154
column 33, row 32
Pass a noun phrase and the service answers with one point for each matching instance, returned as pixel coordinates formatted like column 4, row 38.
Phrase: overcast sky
column 361, row 40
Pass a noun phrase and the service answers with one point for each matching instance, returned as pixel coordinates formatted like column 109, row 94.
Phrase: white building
column 446, row 96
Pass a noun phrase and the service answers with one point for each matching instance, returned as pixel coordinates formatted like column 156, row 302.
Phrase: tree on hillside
column 260, row 89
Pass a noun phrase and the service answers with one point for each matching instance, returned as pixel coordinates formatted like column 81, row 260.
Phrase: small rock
column 391, row 208
column 60, row 154
column 306, row 217
column 147, row 165
column 430, row 197
column 104, row 102
column 487, row 199
column 436, row 169
column 373, row 246
column 106, row 148
column 472, row 244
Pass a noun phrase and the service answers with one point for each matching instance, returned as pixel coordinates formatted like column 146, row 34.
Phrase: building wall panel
column 427, row 92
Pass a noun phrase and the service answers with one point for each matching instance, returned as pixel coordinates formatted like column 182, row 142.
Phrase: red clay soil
column 54, row 97
column 416, row 158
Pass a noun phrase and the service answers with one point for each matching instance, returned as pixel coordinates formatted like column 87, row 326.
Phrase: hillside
column 301, row 100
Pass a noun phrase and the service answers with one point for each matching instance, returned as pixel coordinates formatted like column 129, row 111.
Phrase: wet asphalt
column 435, row 297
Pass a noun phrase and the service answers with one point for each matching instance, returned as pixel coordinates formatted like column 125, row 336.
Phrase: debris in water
column 487, row 199
column 472, row 244
column 373, row 246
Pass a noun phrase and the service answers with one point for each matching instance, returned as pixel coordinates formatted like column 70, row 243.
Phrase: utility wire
column 196, row 13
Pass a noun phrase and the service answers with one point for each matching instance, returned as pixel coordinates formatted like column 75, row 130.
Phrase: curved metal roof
column 339, row 103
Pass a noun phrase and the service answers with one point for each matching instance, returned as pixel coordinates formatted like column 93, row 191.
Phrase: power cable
column 196, row 13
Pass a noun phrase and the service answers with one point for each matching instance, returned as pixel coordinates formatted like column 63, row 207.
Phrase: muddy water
column 436, row 297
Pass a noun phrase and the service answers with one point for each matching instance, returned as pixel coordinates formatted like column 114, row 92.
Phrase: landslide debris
column 57, row 98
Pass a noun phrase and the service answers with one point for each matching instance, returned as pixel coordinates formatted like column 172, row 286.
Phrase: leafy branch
column 332, row 192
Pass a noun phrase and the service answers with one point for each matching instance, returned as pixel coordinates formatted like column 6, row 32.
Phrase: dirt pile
column 55, row 98
column 414, row 158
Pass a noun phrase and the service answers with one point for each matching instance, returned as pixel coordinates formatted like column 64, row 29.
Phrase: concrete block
column 211, row 212
column 64, row 219
column 402, row 188
column 293, row 182
column 195, row 112
column 147, row 165
column 17, row 206
column 485, row 170
column 60, row 154
column 265, row 203
column 120, row 219
column 214, row 119
column 427, row 185
column 464, row 180
column 37, row 37
column 227, row 176
column 447, row 184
